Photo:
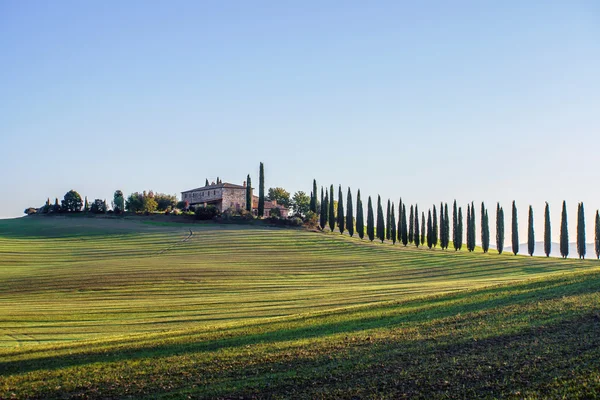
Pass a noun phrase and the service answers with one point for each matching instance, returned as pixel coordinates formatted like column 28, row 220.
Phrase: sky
column 429, row 101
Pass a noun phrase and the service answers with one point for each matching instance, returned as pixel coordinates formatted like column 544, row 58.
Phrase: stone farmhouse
column 226, row 196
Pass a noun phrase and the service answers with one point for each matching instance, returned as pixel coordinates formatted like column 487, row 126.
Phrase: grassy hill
column 117, row 308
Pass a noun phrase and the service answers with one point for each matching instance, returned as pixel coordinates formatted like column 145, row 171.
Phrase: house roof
column 217, row 186
column 268, row 204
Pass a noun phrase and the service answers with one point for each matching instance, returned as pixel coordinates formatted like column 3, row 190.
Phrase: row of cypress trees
column 421, row 231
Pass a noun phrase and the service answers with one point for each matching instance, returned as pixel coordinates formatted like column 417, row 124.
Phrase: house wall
column 234, row 198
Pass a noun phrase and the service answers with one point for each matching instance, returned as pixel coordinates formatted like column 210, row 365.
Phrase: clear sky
column 431, row 101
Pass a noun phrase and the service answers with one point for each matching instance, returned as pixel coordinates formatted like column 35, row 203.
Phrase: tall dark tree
column 380, row 221
column 499, row 229
column 86, row 205
column 393, row 225
column 423, row 227
column 400, row 221
column 370, row 221
column 313, row 197
column 349, row 214
column 455, row 225
column 547, row 231
column 206, row 183
column 411, row 226
column 597, row 235
column 388, row 221
column 404, row 227
column 473, row 228
column 320, row 204
column 530, row 233
column 332, row 216
column 261, row 191
column 581, row 248
column 434, row 228
column 515, row 230
column 485, row 229
column 459, row 231
column 429, row 230
column 324, row 211
column 248, row 193
column 564, row 232
column 360, row 217
column 416, row 237
column 469, row 228
column 442, row 227
column 341, row 218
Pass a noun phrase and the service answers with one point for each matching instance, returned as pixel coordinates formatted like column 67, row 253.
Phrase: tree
column 597, row 235
column 280, row 195
column 547, row 231
column 515, row 230
column 98, row 207
column 393, row 225
column 446, row 227
column 332, row 215
column 530, row 233
column 349, row 214
column 313, row 197
column 72, row 202
column 411, row 229
column 564, row 232
column 469, row 228
column 164, row 201
column 324, row 211
column 473, row 228
column 118, row 202
column 455, row 239
column 370, row 221
column 300, row 203
column 341, row 218
column 423, row 226
column 206, row 183
column 404, row 227
column 248, row 193
column 429, row 231
column 499, row 229
column 388, row 217
column 360, row 217
column 442, row 227
column 434, row 227
column 261, row 191
column 149, row 203
column 459, row 233
column 399, row 231
column 416, row 237
column 86, row 205
column 56, row 207
column 485, row 229
column 135, row 202
column 581, row 248
column 380, row 221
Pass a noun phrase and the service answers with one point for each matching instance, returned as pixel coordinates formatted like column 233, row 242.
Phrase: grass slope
column 123, row 309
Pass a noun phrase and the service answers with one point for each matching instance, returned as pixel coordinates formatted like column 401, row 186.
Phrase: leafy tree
column 581, row 248
column 515, row 230
column 393, row 225
column 370, row 221
column 597, row 235
column 349, row 214
column 300, row 203
column 324, row 211
column 280, row 195
column 261, row 191
column 547, row 231
column 499, row 229
column 411, row 228
column 135, row 202
column 248, row 193
column 416, row 237
column 434, row 227
column 530, row 233
column 118, row 202
column 459, row 230
column 332, row 215
column 163, row 201
column 149, row 203
column 72, row 202
column 98, row 207
column 380, row 221
column 388, row 217
column 360, row 222
column 429, row 231
column 404, row 227
column 455, row 239
column 341, row 218
column 564, row 233
column 313, row 197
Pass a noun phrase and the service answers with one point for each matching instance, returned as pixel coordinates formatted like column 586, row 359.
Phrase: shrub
column 30, row 211
column 311, row 220
column 206, row 213
column 275, row 212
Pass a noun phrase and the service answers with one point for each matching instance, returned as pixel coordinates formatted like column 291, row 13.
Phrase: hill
column 122, row 308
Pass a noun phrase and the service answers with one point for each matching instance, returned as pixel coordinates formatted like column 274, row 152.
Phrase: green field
column 105, row 308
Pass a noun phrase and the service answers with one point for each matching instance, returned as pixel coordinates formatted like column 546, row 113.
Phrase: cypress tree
column 332, row 215
column 321, row 204
column 416, row 237
column 360, row 217
column 400, row 220
column 597, row 235
column 429, row 230
column 324, row 211
column 423, row 226
column 442, row 226
column 473, row 228
column 485, row 229
column 86, row 206
column 564, row 232
column 349, row 214
column 455, row 226
column 411, row 228
column 434, row 227
column 469, row 228
column 380, row 221
column 515, row 230
column 446, row 227
column 404, row 227
column 388, row 222
column 581, row 250
column 370, row 221
column 249, row 193
column 459, row 231
column 393, row 225
column 341, row 218
column 206, row 183
column 261, row 191
column 499, row 229
column 313, row 197
column 530, row 233
column 547, row 231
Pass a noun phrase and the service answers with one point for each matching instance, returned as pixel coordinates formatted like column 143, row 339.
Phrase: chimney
column 244, row 183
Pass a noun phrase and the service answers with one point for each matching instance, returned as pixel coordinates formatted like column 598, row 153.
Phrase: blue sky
column 431, row 101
